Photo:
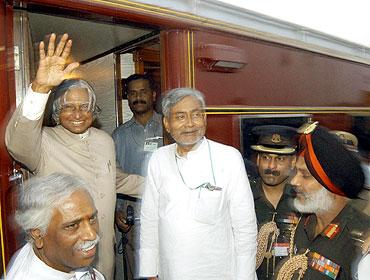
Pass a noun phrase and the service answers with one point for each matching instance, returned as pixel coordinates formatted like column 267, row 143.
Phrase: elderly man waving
column 72, row 146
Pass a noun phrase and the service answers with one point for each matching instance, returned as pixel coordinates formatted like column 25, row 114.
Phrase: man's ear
column 38, row 238
column 294, row 160
column 258, row 159
column 166, row 124
column 154, row 95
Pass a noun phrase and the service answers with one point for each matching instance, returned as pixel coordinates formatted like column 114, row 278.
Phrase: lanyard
column 206, row 185
column 89, row 275
column 92, row 274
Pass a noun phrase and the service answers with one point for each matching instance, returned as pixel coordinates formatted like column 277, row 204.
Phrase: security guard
column 276, row 147
column 328, row 177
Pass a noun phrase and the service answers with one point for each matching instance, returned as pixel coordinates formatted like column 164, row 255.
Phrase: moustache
column 87, row 245
column 273, row 172
column 139, row 101
column 300, row 192
column 189, row 131
column 291, row 190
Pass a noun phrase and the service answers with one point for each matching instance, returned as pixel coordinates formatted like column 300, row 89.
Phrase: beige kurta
column 45, row 150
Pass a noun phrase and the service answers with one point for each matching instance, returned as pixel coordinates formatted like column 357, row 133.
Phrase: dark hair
column 136, row 77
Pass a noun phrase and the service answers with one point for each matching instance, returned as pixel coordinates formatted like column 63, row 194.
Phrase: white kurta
column 25, row 265
column 198, row 234
column 364, row 268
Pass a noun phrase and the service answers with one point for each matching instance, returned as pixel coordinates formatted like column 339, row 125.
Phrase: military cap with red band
column 327, row 159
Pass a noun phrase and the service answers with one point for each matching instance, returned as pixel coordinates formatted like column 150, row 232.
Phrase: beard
column 182, row 140
column 317, row 202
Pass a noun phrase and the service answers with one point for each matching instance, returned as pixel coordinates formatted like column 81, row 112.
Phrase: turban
column 327, row 159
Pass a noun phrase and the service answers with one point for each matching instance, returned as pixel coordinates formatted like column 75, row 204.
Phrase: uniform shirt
column 25, row 265
column 135, row 144
column 285, row 219
column 340, row 248
column 194, row 233
column 129, row 139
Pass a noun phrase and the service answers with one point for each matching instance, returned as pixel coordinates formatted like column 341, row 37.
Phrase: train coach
column 253, row 69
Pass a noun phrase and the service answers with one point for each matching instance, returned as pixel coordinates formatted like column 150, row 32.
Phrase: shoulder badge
column 307, row 128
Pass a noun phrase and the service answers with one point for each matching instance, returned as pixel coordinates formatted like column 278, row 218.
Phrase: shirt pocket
column 208, row 206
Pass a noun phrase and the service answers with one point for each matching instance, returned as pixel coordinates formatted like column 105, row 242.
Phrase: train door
column 108, row 50
column 6, row 88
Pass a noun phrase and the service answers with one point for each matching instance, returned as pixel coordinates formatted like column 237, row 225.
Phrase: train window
column 356, row 123
column 247, row 123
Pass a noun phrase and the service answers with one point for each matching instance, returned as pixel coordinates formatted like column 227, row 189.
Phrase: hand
column 53, row 66
column 121, row 221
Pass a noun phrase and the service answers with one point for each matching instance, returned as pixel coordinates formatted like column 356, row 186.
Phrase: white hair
column 175, row 95
column 41, row 195
column 60, row 92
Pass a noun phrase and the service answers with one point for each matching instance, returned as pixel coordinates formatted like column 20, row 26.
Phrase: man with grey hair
column 58, row 215
column 197, row 215
column 73, row 146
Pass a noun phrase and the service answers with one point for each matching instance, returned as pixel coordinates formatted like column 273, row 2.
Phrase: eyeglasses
column 71, row 108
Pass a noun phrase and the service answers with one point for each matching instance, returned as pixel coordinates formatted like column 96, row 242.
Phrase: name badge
column 150, row 146
column 290, row 218
column 280, row 249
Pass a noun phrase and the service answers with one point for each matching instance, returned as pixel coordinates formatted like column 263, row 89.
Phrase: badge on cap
column 275, row 138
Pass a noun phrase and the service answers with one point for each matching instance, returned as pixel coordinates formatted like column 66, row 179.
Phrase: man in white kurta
column 197, row 217
column 25, row 265
column 59, row 218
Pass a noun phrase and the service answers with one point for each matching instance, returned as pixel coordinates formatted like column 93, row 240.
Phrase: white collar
column 195, row 148
column 39, row 265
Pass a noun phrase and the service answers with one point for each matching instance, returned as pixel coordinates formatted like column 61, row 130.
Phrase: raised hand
column 53, row 65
